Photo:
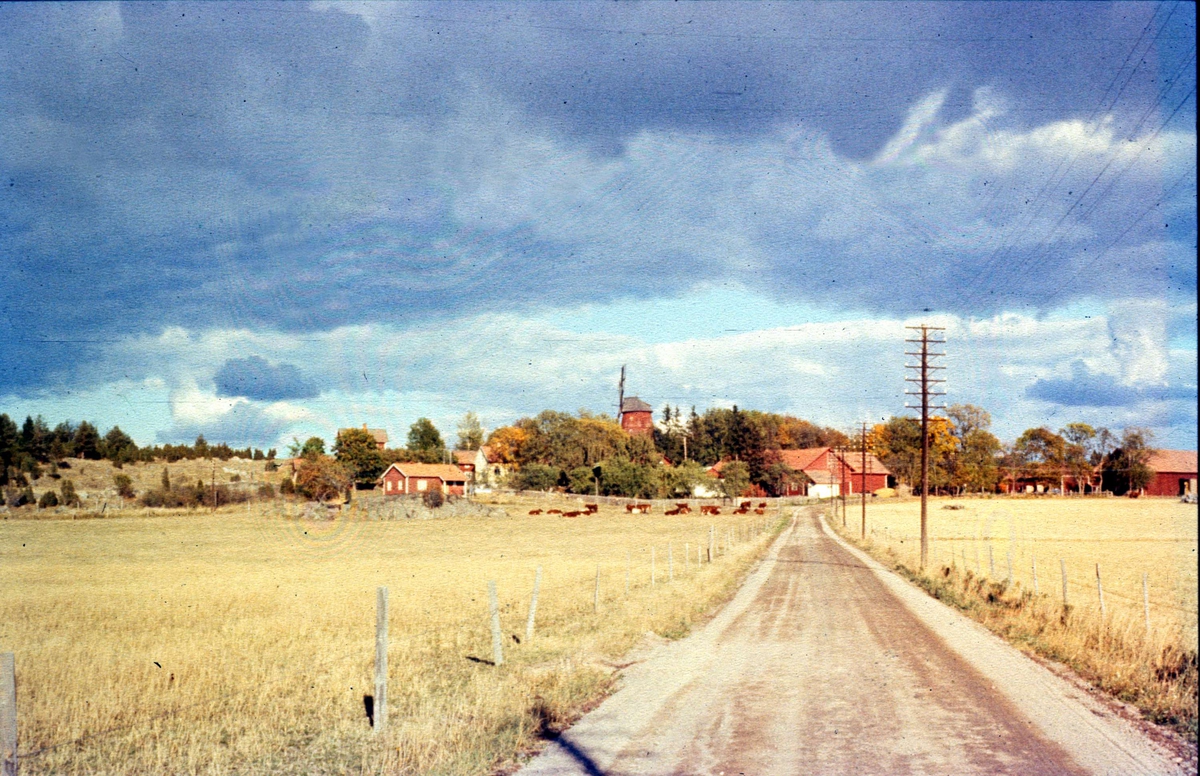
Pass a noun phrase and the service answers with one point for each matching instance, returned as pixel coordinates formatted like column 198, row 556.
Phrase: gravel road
column 825, row 663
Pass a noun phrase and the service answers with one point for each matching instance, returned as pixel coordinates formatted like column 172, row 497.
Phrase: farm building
column 379, row 435
column 402, row 479
column 1174, row 473
column 834, row 471
column 637, row 417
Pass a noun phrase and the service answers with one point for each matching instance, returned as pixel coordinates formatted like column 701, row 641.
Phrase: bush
column 48, row 499
column 267, row 490
column 271, row 466
column 287, row 487
column 124, row 485
column 322, row 478
column 235, row 478
column 536, row 476
column 433, row 498
column 69, row 497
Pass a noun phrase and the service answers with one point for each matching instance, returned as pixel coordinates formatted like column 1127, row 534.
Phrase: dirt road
column 825, row 663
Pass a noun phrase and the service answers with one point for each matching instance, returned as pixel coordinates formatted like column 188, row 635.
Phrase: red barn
column 637, row 417
column 1174, row 473
column 402, row 479
column 824, row 465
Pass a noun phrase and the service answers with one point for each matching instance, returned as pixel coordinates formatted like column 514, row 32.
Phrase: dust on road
column 821, row 666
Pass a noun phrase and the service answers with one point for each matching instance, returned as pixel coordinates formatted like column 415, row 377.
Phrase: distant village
column 722, row 453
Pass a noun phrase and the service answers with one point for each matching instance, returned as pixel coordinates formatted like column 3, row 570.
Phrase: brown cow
column 744, row 505
column 762, row 505
column 575, row 513
column 760, row 511
column 535, row 511
column 554, row 511
column 592, row 508
column 710, row 510
column 672, row 511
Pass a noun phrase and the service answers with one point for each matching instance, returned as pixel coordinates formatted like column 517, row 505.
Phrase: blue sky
column 264, row 220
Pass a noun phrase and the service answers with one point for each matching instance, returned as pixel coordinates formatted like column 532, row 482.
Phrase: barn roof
column 1181, row 461
column 804, row 460
column 378, row 434
column 634, row 404
column 463, row 457
column 443, row 471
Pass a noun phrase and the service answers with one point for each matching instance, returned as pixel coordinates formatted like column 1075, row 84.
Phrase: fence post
column 596, row 595
column 991, row 562
column 1100, row 594
column 8, row 713
column 1035, row 584
column 381, row 650
column 1063, row 564
column 711, row 541
column 494, row 609
column 537, row 584
column 1146, row 601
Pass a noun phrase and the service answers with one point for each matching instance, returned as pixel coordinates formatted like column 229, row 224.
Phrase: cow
column 592, row 508
column 674, row 511
column 554, row 511
column 710, row 510
column 760, row 511
column 762, row 505
column 535, row 511
column 744, row 505
column 575, row 513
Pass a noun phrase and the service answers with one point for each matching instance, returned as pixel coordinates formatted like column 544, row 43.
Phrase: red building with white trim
column 403, row 479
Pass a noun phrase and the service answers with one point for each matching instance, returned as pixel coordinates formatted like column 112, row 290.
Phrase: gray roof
column 634, row 404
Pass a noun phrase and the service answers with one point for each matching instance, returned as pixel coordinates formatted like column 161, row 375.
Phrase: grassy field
column 1002, row 561
column 243, row 641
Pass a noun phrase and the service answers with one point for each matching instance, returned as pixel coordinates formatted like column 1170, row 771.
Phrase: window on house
column 422, row 484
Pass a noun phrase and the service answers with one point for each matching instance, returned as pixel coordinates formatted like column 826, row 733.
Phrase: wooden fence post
column 1100, row 594
column 1063, row 564
column 1146, row 601
column 8, row 713
column 596, row 595
column 1035, row 582
column 381, row 650
column 494, row 610
column 711, row 542
column 537, row 584
column 991, row 562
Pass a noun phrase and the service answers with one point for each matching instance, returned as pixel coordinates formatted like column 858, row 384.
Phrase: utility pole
column 621, row 395
column 841, row 461
column 864, row 480
column 928, row 384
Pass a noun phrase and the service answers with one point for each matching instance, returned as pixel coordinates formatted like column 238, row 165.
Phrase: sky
column 261, row 221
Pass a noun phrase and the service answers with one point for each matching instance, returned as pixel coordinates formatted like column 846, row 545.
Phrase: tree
column 321, row 478
column 313, row 448
column 124, row 485
column 87, row 441
column 735, row 478
column 1041, row 454
column 978, row 465
column 69, row 497
column 470, row 432
column 1127, row 468
column 166, row 480
column 200, row 446
column 505, row 444
column 118, row 446
column 425, row 442
column 356, row 450
column 8, row 446
column 682, row 480
column 966, row 418
column 1077, row 454
column 536, row 476
column 620, row 476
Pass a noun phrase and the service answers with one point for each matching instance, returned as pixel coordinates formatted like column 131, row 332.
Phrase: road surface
column 825, row 663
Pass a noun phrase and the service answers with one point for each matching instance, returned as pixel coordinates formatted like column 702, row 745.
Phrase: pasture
column 243, row 640
column 1141, row 646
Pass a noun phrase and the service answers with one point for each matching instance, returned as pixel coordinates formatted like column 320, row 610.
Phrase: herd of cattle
column 681, row 508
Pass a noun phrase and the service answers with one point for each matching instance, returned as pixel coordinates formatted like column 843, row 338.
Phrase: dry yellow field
column 244, row 640
column 1002, row 560
column 1126, row 537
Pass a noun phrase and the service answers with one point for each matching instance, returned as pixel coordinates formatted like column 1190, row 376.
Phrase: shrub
column 536, row 476
column 271, row 466
column 322, row 478
column 287, row 487
column 69, row 497
column 235, row 478
column 48, row 499
column 433, row 498
column 124, row 485
column 267, row 490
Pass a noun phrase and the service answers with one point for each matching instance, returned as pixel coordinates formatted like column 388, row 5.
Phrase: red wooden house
column 1174, row 473
column 402, row 479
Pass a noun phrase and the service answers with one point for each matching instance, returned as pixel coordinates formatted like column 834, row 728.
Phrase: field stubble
column 243, row 640
column 975, row 542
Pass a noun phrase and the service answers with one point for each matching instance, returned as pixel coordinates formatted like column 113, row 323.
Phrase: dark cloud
column 1089, row 389
column 283, row 165
column 255, row 378
column 245, row 424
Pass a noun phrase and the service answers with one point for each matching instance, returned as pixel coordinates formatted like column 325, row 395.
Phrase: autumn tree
column 357, row 452
column 322, row 478
column 1041, row 453
column 425, row 442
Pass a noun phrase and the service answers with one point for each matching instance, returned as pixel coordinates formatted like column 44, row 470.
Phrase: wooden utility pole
column 923, row 367
column 621, row 395
column 864, row 479
column 381, row 650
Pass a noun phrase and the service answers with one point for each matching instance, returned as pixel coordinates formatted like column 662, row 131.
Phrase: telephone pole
column 864, row 479
column 929, row 336
column 621, row 396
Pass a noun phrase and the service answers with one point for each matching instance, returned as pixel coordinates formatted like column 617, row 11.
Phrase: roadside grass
column 243, row 641
column 1154, row 669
